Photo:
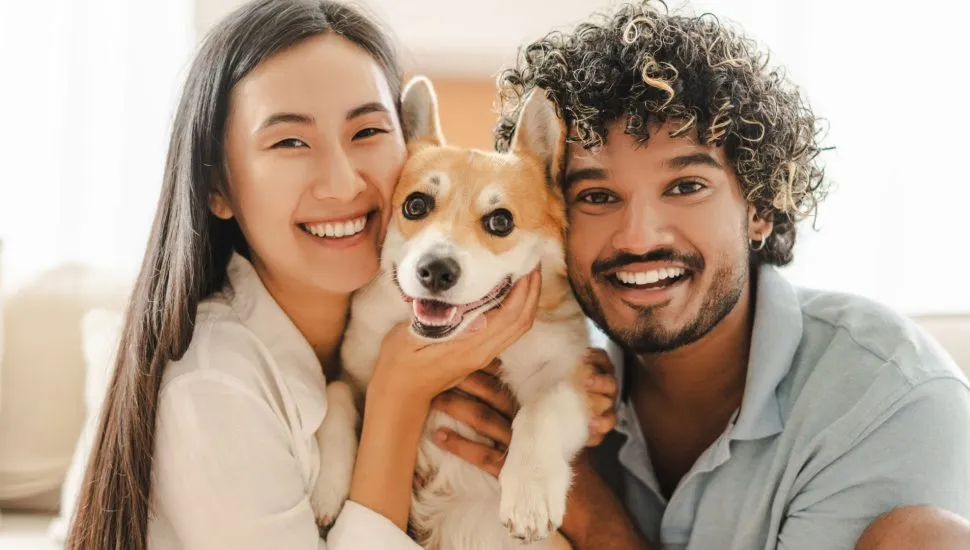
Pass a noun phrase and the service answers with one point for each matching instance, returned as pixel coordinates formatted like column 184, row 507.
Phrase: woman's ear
column 219, row 206
column 759, row 228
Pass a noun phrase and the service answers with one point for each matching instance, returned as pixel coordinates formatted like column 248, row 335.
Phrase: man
column 752, row 414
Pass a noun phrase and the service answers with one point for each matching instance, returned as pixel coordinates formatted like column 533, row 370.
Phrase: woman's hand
column 483, row 403
column 413, row 368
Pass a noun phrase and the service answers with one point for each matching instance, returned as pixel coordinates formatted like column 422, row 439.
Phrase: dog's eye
column 417, row 206
column 499, row 222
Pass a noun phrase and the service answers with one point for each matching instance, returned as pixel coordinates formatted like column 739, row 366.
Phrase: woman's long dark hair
column 187, row 255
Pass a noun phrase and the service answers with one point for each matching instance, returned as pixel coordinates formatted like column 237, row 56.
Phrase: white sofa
column 58, row 337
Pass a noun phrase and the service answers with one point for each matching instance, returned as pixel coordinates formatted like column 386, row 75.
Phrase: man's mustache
column 693, row 262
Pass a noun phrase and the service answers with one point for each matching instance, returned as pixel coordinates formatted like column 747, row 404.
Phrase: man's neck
column 684, row 399
column 703, row 376
column 321, row 317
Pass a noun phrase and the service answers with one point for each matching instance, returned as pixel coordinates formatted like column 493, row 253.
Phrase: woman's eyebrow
column 372, row 107
column 280, row 118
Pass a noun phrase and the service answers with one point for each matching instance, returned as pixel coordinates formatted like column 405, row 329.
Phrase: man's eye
column 686, row 188
column 289, row 143
column 596, row 197
column 369, row 132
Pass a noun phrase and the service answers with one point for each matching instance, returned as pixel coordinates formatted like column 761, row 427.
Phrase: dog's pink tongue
column 432, row 312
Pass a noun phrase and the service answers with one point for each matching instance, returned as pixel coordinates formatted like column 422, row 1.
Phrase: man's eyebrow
column 366, row 108
column 582, row 174
column 684, row 161
column 280, row 118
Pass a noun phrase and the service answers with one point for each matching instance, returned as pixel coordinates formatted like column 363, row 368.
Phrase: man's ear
column 759, row 228
column 541, row 133
column 419, row 113
column 219, row 206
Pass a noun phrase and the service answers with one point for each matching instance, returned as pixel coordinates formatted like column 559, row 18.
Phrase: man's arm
column 917, row 527
column 915, row 451
column 595, row 518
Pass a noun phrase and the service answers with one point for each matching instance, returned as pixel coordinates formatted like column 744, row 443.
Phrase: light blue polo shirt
column 849, row 410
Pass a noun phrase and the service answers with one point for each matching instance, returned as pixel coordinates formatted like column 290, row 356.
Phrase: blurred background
column 88, row 89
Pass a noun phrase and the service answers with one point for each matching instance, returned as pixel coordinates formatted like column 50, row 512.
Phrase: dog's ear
column 542, row 133
column 419, row 113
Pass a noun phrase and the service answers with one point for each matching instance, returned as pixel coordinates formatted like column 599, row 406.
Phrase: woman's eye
column 290, row 143
column 369, row 132
column 417, row 206
column 686, row 188
column 596, row 197
column 499, row 222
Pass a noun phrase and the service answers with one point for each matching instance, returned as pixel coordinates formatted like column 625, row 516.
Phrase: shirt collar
column 775, row 338
column 291, row 351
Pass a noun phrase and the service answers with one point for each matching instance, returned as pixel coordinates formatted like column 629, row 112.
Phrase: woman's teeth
column 640, row 278
column 336, row 229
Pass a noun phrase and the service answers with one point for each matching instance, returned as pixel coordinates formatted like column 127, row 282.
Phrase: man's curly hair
column 646, row 65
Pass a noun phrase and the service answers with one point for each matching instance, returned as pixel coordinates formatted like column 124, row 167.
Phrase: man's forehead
column 658, row 145
column 660, row 154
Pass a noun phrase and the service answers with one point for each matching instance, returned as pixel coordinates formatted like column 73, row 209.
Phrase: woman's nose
column 339, row 179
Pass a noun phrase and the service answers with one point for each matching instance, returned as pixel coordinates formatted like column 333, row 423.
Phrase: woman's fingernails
column 589, row 382
column 477, row 324
column 594, row 425
column 441, row 436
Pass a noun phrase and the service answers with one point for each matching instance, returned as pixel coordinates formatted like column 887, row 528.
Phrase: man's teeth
column 336, row 229
column 649, row 277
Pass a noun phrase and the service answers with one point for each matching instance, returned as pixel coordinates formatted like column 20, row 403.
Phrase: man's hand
column 482, row 402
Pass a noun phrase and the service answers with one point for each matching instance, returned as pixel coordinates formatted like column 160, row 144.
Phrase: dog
column 466, row 225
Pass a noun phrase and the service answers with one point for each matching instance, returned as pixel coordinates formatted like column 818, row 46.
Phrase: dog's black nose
column 438, row 274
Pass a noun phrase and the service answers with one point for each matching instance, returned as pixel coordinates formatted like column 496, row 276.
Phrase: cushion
column 100, row 334
column 42, row 405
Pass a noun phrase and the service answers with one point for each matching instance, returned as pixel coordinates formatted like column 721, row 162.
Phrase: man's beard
column 647, row 335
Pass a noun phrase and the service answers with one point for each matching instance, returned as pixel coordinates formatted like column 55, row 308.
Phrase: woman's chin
column 347, row 277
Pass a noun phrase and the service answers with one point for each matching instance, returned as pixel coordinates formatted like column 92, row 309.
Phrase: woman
column 284, row 152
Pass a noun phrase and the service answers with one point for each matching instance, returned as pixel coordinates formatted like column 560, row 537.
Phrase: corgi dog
column 466, row 225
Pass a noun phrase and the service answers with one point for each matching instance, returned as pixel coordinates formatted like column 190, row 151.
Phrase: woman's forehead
column 324, row 74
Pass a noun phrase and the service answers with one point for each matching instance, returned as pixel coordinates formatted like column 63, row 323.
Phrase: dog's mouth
column 437, row 319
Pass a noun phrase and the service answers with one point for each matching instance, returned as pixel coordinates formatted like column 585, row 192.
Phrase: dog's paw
column 533, row 500
column 337, row 438
column 329, row 495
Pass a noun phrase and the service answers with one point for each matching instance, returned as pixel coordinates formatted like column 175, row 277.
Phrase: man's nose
column 645, row 226
column 338, row 177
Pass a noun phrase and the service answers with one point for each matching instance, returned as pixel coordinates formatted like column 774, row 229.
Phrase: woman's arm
column 383, row 473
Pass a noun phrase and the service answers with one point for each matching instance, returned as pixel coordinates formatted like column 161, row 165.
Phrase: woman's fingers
column 503, row 322
column 520, row 317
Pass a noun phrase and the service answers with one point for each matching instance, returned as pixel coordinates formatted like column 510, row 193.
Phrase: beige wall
column 468, row 111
